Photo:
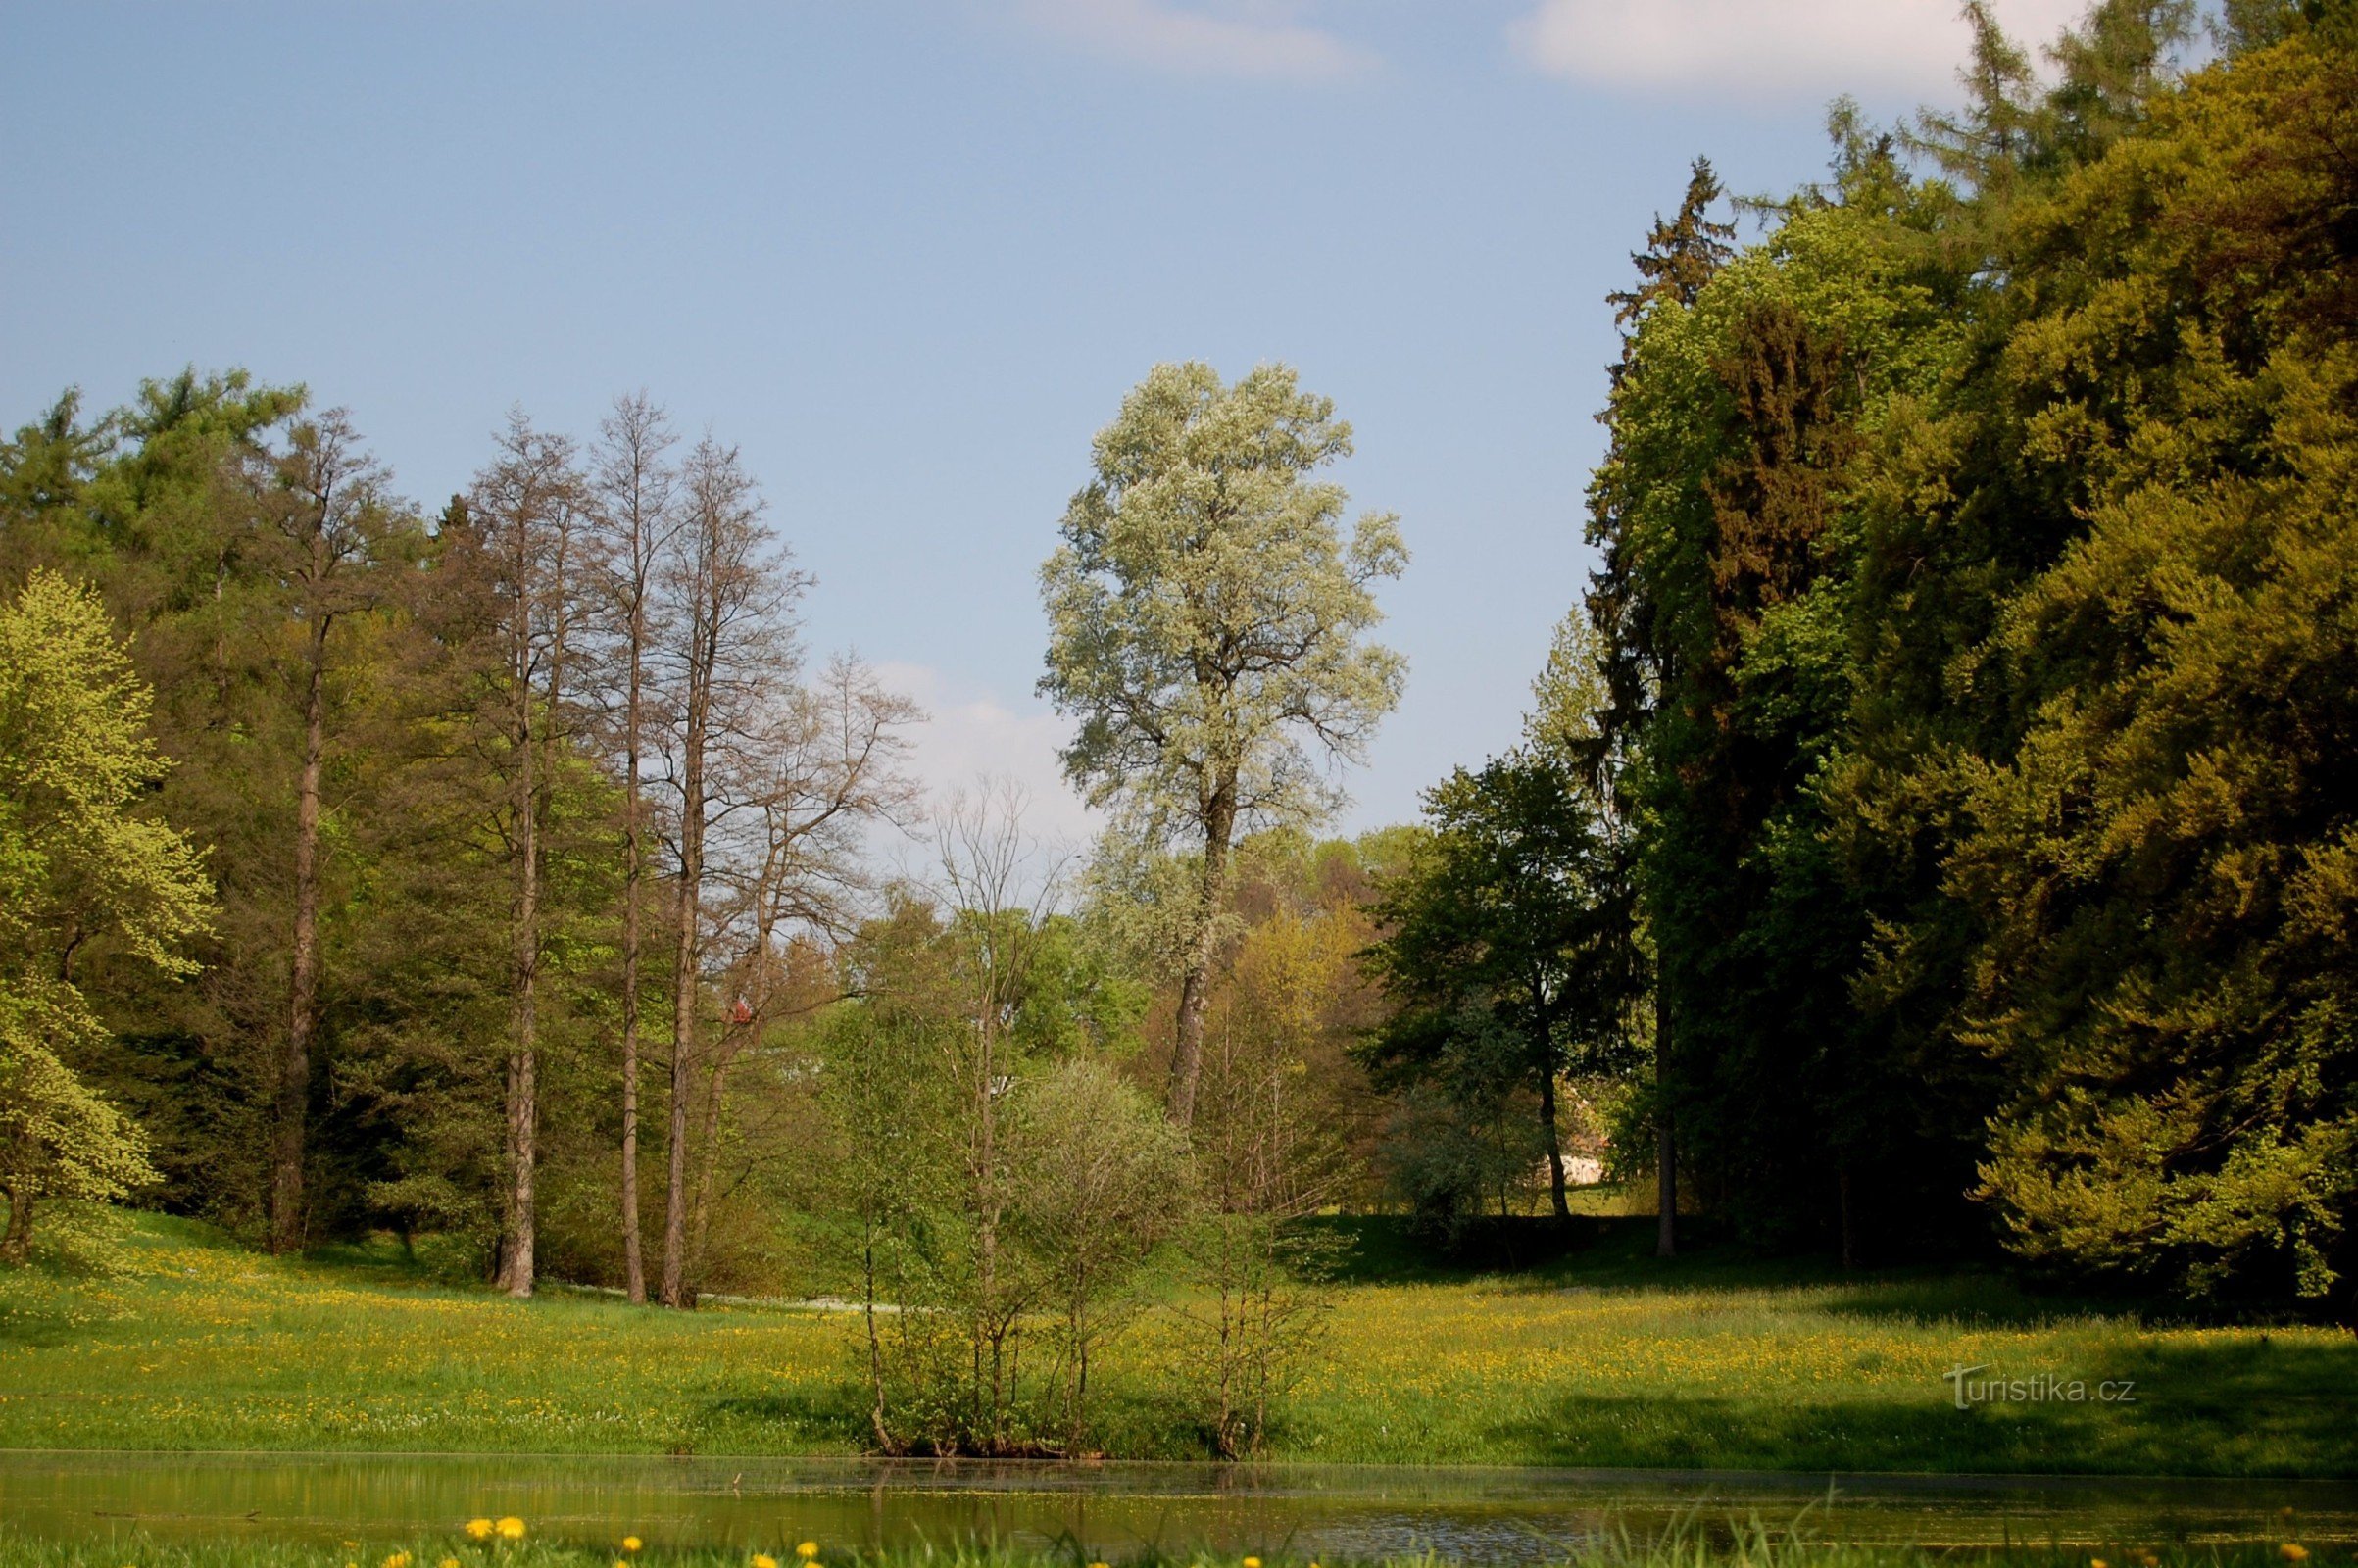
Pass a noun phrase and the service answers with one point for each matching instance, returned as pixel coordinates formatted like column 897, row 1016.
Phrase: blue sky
column 908, row 256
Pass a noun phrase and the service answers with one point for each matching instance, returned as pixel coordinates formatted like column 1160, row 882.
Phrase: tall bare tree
column 327, row 516
column 635, row 512
column 827, row 764
column 729, row 595
column 530, row 505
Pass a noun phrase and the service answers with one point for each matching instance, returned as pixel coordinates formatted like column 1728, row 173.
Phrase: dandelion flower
column 807, row 1551
column 764, row 1560
column 448, row 1562
column 632, row 1542
column 2293, row 1551
column 511, row 1529
column 2095, row 1562
column 1253, row 1562
column 479, row 1529
column 400, row 1559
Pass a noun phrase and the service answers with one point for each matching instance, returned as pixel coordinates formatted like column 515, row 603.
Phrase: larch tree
column 804, row 784
column 329, row 521
column 1208, row 629
column 530, row 505
column 635, row 517
column 728, row 597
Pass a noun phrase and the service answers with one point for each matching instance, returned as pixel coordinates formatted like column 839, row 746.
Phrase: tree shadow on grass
column 784, row 1420
column 2232, row 1409
column 38, row 1327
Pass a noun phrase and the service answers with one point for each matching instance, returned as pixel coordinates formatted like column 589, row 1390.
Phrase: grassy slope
column 1602, row 1360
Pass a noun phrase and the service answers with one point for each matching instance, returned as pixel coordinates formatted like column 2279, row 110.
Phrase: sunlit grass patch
column 1591, row 1362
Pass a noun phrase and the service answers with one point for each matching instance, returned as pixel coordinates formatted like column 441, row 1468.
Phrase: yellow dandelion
column 1253, row 1562
column 512, row 1528
column 764, row 1560
column 807, row 1551
column 2293, row 1551
column 400, row 1559
column 632, row 1542
column 2095, row 1562
column 479, row 1529
column 448, row 1562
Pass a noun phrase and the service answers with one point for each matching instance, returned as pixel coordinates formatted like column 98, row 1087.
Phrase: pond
column 1489, row 1516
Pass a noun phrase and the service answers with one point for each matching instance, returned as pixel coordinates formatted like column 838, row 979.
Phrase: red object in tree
column 742, row 1013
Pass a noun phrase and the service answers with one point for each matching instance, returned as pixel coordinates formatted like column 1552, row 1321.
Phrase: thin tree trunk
column 635, row 1258
column 523, row 1066
column 294, row 1067
column 1850, row 1233
column 1666, row 1189
column 16, row 1246
column 1194, row 982
column 867, row 1269
column 708, row 1167
column 1667, row 1143
column 1556, row 1144
column 684, row 1023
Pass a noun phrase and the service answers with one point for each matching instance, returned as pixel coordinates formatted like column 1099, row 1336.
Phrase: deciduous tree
column 1208, row 629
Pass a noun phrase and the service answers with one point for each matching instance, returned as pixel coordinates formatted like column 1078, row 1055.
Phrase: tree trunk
column 868, row 1274
column 634, row 1260
column 1195, row 981
column 708, row 1170
column 1667, row 1190
column 294, row 1066
column 517, row 1260
column 1849, row 1233
column 1667, row 1143
column 16, row 1246
column 683, row 1027
column 1556, row 1143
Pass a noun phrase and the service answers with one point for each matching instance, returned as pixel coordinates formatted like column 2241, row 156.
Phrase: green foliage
column 79, row 868
column 1206, row 613
column 2164, row 865
column 1507, row 954
column 1207, row 627
column 1976, row 593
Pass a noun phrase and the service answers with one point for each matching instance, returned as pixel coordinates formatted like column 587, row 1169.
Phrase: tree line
column 1976, row 624
column 494, row 810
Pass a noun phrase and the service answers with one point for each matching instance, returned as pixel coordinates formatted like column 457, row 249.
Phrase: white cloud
column 1232, row 39
column 1771, row 48
column 972, row 734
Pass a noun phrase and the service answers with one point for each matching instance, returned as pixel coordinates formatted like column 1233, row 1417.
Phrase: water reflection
column 1489, row 1516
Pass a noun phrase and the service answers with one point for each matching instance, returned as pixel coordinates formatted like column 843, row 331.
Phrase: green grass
column 1601, row 1359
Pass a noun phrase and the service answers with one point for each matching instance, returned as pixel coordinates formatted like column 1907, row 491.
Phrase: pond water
column 1489, row 1516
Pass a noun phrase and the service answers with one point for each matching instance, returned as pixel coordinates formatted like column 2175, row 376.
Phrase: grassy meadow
column 1605, row 1358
